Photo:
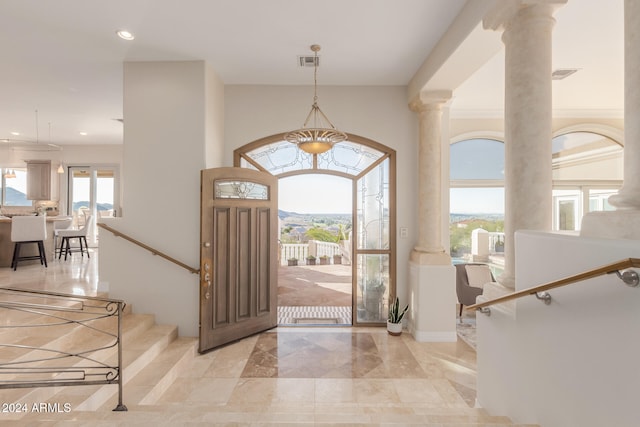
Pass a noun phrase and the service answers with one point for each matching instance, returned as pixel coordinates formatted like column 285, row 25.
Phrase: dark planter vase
column 292, row 262
column 324, row 261
column 337, row 259
column 311, row 261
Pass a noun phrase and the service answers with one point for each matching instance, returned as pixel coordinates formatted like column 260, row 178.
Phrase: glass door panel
column 373, row 245
column 105, row 193
column 79, row 195
column 373, row 209
column 92, row 192
column 373, row 287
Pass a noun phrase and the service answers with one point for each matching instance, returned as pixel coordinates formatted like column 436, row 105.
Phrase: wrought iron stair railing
column 83, row 337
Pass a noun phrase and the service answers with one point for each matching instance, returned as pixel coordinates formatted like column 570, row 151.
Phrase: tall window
column 477, row 193
column 14, row 187
column 587, row 169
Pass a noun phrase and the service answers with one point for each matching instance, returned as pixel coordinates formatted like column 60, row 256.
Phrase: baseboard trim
column 424, row 336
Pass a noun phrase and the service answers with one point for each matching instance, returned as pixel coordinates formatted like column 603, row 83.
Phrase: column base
column 432, row 313
column 622, row 224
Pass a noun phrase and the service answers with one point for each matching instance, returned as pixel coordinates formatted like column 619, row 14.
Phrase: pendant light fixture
column 317, row 135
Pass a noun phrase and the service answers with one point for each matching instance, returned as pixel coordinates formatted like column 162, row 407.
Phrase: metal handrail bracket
column 620, row 268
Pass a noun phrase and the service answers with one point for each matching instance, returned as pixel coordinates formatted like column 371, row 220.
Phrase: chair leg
column 461, row 306
column 86, row 246
column 43, row 254
column 67, row 250
column 60, row 250
column 16, row 254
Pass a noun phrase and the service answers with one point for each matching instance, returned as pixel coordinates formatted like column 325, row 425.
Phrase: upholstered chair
column 60, row 223
column 470, row 280
column 80, row 234
column 28, row 230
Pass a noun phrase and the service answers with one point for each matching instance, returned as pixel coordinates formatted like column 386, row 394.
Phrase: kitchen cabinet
column 38, row 179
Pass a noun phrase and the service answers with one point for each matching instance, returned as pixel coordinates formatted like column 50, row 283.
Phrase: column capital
column 499, row 17
column 429, row 100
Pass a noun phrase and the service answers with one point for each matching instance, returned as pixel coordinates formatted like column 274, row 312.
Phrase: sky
column 315, row 194
column 477, row 200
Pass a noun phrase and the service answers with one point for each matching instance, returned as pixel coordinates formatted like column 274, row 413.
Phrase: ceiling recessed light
column 15, row 133
column 125, row 35
column 83, row 133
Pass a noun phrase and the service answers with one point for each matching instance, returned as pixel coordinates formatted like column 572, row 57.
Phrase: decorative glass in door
column 373, row 245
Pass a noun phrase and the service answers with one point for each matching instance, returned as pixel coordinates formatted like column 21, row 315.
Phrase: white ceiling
column 63, row 59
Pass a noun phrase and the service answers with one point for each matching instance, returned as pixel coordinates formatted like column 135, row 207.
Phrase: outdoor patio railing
column 300, row 251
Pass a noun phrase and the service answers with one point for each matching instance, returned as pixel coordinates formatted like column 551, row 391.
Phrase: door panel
column 238, row 283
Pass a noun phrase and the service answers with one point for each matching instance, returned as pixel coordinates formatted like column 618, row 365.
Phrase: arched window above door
column 280, row 158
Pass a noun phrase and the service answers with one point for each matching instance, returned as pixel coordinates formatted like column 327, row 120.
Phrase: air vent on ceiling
column 562, row 73
column 308, row 61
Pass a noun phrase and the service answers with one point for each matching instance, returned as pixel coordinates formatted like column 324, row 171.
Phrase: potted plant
column 324, row 260
column 337, row 258
column 292, row 262
column 394, row 322
column 311, row 260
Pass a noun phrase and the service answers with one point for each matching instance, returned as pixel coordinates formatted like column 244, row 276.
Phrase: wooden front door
column 238, row 255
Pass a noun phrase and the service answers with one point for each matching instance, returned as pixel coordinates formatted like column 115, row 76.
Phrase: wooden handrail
column 149, row 248
column 589, row 274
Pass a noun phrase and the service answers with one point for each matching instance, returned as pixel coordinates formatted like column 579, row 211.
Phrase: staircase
column 160, row 369
column 153, row 357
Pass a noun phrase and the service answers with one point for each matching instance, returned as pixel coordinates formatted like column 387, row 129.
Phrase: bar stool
column 60, row 223
column 28, row 229
column 80, row 234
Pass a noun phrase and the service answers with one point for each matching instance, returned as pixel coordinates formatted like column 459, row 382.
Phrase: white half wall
column 432, row 302
column 166, row 124
column 573, row 362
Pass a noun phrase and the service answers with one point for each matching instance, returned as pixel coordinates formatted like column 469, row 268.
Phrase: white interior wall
column 591, row 381
column 214, row 119
column 166, row 122
column 377, row 113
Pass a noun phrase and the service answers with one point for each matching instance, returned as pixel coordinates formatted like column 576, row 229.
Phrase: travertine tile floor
column 290, row 375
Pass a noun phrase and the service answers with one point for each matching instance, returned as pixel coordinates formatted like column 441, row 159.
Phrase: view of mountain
column 15, row 198
column 85, row 203
column 455, row 217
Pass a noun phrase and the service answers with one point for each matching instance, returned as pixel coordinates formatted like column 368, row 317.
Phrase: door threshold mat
column 314, row 315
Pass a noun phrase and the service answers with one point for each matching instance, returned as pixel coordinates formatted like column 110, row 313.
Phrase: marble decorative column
column 625, row 222
column 429, row 249
column 527, row 29
column 432, row 277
